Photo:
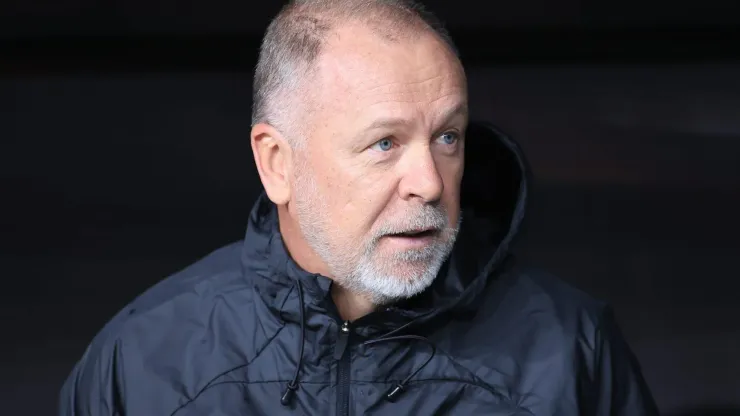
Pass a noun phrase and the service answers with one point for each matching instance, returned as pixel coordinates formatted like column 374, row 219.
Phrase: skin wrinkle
column 411, row 84
column 462, row 110
column 347, row 194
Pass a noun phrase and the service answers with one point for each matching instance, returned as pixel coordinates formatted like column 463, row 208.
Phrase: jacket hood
column 494, row 197
column 494, row 194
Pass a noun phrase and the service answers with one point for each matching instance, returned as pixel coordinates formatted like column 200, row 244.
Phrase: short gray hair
column 295, row 38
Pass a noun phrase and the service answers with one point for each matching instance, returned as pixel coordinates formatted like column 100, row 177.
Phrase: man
column 375, row 277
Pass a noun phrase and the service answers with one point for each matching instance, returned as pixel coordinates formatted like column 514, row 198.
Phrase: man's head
column 358, row 125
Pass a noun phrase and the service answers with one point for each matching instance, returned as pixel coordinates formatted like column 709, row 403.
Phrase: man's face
column 377, row 185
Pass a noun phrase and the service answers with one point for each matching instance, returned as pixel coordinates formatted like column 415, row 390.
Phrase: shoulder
column 201, row 281
column 540, row 306
column 556, row 348
column 550, row 294
column 579, row 334
column 171, row 323
column 528, row 315
column 181, row 299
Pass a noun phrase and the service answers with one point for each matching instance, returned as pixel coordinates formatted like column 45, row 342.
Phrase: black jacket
column 245, row 331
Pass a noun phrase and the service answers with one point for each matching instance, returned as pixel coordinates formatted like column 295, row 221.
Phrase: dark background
column 125, row 156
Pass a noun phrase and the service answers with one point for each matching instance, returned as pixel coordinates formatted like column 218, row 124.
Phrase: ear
column 272, row 155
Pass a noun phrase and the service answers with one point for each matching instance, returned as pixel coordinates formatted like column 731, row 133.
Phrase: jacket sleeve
column 618, row 384
column 93, row 387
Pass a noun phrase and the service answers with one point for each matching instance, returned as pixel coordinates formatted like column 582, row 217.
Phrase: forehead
column 362, row 76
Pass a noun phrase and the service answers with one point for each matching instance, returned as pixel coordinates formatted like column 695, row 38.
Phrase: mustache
column 426, row 218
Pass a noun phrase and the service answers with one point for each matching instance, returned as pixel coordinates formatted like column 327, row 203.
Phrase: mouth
column 412, row 239
column 431, row 232
column 420, row 236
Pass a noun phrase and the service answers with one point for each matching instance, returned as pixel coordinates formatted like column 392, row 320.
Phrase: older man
column 374, row 277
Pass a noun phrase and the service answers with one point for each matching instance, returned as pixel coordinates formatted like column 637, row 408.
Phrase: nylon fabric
column 228, row 334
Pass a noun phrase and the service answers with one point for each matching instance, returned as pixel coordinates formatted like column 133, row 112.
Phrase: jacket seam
column 476, row 381
column 212, row 383
column 481, row 385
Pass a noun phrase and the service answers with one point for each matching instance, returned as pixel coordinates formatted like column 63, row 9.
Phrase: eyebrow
column 460, row 108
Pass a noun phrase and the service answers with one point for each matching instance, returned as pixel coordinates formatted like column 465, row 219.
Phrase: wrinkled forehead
column 362, row 76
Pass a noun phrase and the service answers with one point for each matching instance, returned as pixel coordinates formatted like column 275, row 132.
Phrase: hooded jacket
column 246, row 331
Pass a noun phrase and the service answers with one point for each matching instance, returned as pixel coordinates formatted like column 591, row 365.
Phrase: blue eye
column 449, row 138
column 383, row 145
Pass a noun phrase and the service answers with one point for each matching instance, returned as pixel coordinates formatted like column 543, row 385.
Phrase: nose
column 421, row 178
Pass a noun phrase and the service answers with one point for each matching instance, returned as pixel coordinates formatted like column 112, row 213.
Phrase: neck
column 351, row 306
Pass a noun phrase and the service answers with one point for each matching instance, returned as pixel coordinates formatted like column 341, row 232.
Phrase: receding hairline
column 314, row 85
column 299, row 37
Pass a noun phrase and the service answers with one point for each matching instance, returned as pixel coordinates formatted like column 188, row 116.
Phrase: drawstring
column 393, row 393
column 293, row 384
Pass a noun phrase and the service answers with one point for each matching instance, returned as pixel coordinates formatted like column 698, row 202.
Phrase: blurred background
column 124, row 157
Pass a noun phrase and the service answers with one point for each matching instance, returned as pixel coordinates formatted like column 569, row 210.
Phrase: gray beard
column 381, row 280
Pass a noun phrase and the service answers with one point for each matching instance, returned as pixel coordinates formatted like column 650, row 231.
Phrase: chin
column 403, row 279
column 412, row 270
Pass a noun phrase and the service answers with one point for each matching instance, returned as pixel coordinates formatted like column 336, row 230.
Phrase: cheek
column 360, row 196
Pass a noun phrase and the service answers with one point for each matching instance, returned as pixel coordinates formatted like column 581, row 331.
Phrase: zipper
column 341, row 355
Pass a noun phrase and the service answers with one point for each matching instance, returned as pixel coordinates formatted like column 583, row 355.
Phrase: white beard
column 359, row 267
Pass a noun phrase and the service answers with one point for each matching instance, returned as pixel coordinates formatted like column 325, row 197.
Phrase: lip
column 420, row 230
column 409, row 242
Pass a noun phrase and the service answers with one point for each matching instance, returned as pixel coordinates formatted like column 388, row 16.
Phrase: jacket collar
column 266, row 260
column 274, row 275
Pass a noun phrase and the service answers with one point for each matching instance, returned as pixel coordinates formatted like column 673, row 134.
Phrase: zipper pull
column 342, row 341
